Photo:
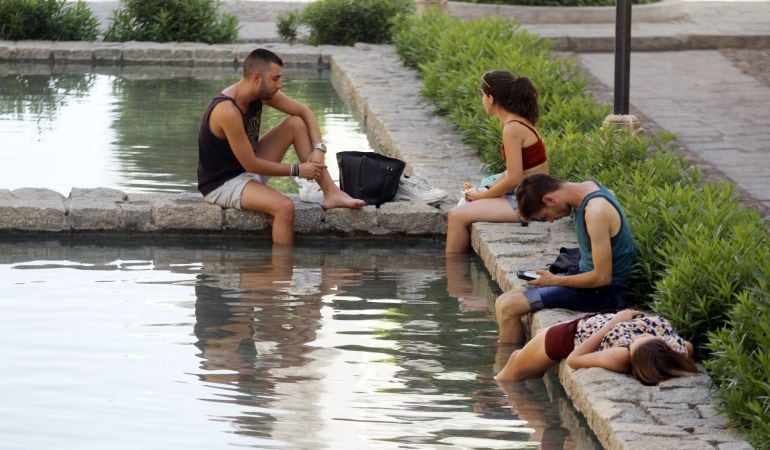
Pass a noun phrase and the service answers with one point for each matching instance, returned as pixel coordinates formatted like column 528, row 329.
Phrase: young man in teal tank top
column 607, row 253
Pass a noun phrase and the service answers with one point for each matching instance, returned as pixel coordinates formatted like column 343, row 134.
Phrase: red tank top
column 531, row 156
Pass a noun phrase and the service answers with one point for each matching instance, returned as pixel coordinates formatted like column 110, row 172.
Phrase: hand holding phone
column 527, row 275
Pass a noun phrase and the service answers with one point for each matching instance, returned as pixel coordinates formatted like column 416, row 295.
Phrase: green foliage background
column 54, row 20
column 344, row 22
column 703, row 257
column 172, row 21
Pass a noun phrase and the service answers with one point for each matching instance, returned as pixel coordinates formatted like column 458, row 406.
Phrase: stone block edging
column 105, row 209
column 677, row 42
column 132, row 52
column 623, row 414
column 663, row 11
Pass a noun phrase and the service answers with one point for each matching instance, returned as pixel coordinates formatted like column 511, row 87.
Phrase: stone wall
column 104, row 209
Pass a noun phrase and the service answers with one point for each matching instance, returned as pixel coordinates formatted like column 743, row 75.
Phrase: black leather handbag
column 568, row 260
column 369, row 176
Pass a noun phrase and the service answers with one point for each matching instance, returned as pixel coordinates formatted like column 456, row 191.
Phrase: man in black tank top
column 234, row 163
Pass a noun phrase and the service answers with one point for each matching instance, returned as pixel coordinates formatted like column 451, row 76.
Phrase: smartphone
column 527, row 274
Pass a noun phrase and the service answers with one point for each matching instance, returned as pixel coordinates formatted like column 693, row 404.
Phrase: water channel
column 227, row 342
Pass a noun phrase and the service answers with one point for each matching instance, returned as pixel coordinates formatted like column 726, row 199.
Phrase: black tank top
column 216, row 161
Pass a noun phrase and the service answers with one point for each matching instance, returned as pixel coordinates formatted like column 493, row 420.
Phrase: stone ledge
column 663, row 11
column 675, row 42
column 133, row 52
column 106, row 209
column 32, row 209
column 624, row 414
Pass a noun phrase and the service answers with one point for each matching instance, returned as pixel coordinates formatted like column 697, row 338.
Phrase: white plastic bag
column 467, row 187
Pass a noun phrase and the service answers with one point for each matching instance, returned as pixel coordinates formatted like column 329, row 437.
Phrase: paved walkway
column 721, row 115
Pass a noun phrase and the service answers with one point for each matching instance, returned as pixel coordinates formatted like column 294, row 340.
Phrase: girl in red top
column 513, row 100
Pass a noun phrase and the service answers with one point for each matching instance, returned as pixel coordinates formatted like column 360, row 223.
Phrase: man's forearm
column 584, row 280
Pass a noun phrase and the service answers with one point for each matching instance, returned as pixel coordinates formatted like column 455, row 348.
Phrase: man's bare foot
column 339, row 199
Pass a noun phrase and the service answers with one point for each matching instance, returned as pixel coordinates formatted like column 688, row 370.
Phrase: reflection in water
column 346, row 346
column 40, row 97
column 134, row 129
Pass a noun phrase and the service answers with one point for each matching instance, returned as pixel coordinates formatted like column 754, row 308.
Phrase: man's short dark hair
column 530, row 192
column 259, row 60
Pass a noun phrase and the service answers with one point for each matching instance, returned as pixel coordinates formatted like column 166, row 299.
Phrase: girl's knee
column 458, row 218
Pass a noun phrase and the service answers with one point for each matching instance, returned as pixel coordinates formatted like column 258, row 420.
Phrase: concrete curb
column 663, row 11
column 34, row 210
column 623, row 414
column 605, row 43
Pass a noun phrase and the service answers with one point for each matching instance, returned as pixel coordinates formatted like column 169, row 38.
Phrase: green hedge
column 702, row 255
column 172, row 21
column 344, row 22
column 54, row 20
column 742, row 356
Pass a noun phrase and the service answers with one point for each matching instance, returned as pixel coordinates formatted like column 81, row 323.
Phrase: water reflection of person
column 254, row 317
column 528, row 401
column 461, row 283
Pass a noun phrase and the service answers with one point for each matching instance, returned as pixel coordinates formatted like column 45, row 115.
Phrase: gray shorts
column 229, row 194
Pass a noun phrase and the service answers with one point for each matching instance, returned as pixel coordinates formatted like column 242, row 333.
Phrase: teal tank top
column 623, row 250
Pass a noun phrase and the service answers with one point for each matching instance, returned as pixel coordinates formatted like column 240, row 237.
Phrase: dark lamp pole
column 622, row 55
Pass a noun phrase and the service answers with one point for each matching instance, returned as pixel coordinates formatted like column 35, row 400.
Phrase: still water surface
column 135, row 128
column 228, row 344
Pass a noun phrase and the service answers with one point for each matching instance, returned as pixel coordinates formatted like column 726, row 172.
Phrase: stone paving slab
column 700, row 25
column 663, row 11
column 33, row 209
column 105, row 209
column 716, row 111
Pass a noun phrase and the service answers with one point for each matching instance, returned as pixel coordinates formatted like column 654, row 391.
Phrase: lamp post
column 622, row 55
column 621, row 117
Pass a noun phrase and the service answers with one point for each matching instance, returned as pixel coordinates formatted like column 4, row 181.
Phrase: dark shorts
column 560, row 339
column 586, row 300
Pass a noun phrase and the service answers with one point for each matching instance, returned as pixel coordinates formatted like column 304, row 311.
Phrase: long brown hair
column 654, row 361
column 516, row 94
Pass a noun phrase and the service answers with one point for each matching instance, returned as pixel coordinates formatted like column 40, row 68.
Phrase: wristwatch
column 321, row 146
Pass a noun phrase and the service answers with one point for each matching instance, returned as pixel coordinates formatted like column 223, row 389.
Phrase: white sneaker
column 417, row 188
column 309, row 191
